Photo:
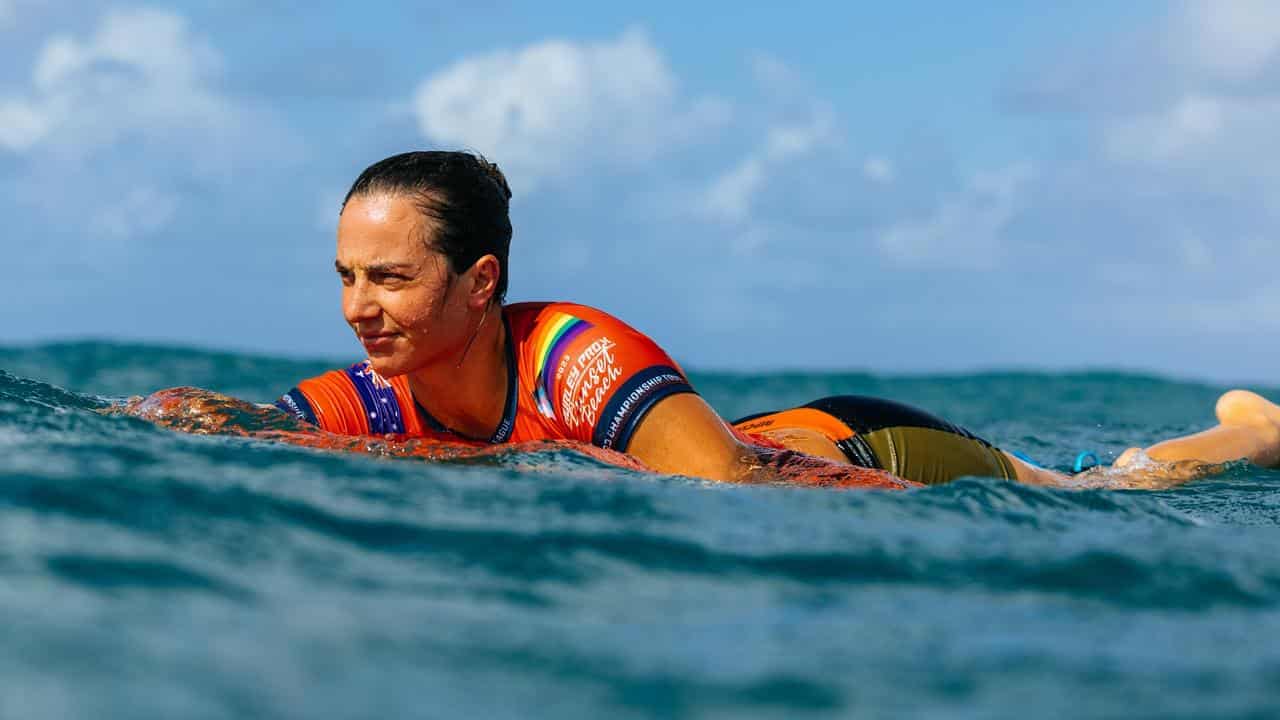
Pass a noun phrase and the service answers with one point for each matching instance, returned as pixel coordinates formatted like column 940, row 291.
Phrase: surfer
column 422, row 254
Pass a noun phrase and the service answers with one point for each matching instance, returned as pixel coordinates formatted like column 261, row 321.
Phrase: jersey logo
column 295, row 403
column 588, row 383
column 378, row 397
column 550, row 343
column 629, row 404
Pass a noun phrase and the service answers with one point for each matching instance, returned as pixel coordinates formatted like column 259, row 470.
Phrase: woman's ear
column 485, row 274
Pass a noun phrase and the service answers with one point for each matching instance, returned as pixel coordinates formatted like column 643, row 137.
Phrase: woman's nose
column 358, row 303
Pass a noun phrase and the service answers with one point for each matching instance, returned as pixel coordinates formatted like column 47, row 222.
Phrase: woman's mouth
column 378, row 343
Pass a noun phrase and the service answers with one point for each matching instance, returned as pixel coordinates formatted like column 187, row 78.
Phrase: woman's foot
column 1241, row 407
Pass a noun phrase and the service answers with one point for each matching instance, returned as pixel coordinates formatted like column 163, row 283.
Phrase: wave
column 196, row 565
column 23, row 391
column 552, row 513
column 198, row 533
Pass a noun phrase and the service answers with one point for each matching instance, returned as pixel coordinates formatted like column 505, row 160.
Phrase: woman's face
column 400, row 297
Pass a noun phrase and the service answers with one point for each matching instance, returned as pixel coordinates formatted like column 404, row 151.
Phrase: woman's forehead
column 379, row 229
column 381, row 207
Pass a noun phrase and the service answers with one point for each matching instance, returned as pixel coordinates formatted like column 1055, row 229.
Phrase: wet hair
column 465, row 196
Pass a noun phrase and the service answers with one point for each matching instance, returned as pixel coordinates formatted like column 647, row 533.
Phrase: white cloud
column 878, row 170
column 556, row 107
column 730, row 195
column 1181, row 174
column 777, row 79
column 1190, row 123
column 140, row 71
column 1219, row 109
column 1209, row 136
column 794, row 124
column 142, row 211
column 789, row 141
column 1195, row 252
column 21, row 124
column 1231, row 39
column 108, row 117
column 966, row 230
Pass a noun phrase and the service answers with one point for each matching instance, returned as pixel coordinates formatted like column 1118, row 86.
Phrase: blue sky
column 914, row 187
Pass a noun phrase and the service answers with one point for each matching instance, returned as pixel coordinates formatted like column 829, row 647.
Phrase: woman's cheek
column 413, row 317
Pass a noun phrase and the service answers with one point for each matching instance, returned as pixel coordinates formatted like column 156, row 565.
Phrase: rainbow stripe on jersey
column 552, row 340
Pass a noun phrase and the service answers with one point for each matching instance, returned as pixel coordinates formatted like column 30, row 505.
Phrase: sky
column 892, row 187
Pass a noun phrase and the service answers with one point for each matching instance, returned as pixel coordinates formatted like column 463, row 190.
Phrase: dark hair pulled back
column 464, row 195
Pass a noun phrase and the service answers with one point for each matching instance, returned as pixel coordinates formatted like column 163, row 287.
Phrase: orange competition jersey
column 576, row 374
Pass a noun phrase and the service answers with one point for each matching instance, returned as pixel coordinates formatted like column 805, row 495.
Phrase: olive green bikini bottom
column 886, row 435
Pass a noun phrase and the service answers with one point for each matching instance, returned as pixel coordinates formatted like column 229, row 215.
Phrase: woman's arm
column 682, row 435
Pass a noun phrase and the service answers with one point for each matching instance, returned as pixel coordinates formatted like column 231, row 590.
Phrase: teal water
column 147, row 573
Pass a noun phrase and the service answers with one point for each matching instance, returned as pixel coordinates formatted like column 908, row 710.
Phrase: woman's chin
column 387, row 366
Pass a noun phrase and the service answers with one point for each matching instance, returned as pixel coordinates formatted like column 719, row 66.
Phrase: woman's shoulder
column 548, row 332
column 591, row 376
column 527, row 315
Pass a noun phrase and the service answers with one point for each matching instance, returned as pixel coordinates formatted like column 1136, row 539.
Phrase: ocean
column 151, row 573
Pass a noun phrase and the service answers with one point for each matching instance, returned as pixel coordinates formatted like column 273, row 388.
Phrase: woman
column 423, row 239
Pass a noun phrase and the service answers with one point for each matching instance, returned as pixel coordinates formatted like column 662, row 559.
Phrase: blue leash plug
column 1083, row 457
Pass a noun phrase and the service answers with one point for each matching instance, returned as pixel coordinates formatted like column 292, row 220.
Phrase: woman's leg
column 1025, row 472
column 913, row 444
column 1248, row 429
